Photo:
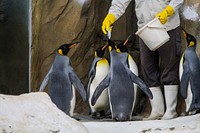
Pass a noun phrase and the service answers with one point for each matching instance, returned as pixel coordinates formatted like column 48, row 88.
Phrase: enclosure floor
column 184, row 124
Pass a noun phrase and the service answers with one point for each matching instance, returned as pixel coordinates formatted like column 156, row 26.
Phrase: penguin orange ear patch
column 110, row 48
column 191, row 44
column 60, row 51
column 117, row 50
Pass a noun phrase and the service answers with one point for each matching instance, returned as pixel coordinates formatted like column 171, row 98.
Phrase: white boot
column 171, row 92
column 157, row 104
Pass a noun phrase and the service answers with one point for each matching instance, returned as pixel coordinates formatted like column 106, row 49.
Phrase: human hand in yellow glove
column 162, row 16
column 108, row 21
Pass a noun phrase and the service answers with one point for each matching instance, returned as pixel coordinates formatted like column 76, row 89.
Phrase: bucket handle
column 154, row 26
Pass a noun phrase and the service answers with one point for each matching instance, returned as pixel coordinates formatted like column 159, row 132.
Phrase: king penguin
column 128, row 61
column 190, row 75
column 120, row 87
column 62, row 80
column 98, row 72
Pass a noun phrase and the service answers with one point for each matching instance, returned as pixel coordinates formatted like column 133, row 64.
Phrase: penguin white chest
column 101, row 73
column 72, row 102
column 133, row 67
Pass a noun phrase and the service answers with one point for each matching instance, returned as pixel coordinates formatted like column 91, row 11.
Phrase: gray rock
column 35, row 113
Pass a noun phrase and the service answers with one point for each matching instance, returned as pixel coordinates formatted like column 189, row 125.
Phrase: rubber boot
column 171, row 92
column 157, row 104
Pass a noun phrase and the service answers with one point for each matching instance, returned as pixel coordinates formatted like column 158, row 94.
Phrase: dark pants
column 161, row 67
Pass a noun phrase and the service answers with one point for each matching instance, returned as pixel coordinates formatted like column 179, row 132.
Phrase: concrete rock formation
column 35, row 113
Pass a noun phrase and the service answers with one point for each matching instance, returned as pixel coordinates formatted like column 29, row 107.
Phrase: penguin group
column 112, row 84
column 111, row 88
column 119, row 82
column 190, row 75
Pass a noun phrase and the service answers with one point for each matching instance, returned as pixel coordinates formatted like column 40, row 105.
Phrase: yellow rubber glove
column 108, row 21
column 162, row 16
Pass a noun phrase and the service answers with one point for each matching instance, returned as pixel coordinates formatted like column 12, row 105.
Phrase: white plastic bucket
column 153, row 34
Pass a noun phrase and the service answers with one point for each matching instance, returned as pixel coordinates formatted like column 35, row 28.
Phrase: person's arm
column 176, row 4
column 169, row 10
column 117, row 9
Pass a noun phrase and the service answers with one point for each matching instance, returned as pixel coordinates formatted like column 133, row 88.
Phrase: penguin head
column 100, row 51
column 122, row 48
column 65, row 48
column 111, row 45
column 191, row 40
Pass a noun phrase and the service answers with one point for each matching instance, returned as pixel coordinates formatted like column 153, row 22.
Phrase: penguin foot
column 194, row 111
column 96, row 115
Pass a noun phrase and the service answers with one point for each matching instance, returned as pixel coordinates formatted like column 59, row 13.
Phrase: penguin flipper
column 88, row 88
column 93, row 68
column 91, row 77
column 92, row 71
column 103, row 85
column 45, row 80
column 78, row 85
column 185, row 80
column 140, row 83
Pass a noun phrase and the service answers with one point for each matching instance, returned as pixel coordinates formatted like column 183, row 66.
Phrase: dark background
column 14, row 47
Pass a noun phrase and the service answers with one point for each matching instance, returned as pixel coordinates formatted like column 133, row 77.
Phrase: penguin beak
column 127, row 39
column 125, row 42
column 72, row 45
column 184, row 33
column 104, row 46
